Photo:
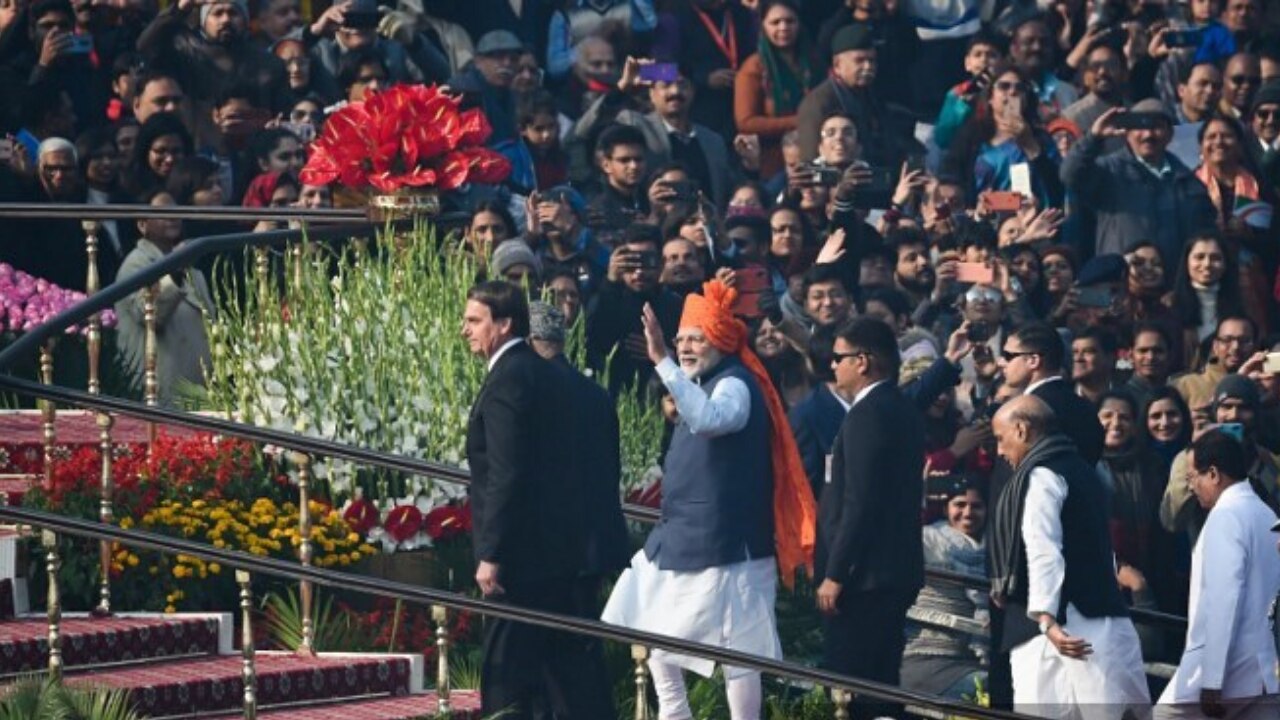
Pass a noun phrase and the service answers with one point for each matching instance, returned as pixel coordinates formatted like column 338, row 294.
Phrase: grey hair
column 1030, row 411
column 57, row 144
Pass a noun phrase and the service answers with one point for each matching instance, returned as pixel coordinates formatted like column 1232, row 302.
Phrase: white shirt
column 1038, row 383
column 726, row 410
column 505, row 347
column 864, row 392
column 1042, row 537
column 1235, row 574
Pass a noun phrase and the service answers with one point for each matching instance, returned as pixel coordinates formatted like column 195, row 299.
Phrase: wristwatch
column 1046, row 624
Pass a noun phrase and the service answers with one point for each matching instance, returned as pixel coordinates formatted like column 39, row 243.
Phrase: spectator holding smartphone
column 1141, row 191
column 980, row 56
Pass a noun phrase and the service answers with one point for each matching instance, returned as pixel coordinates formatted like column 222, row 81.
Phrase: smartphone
column 1183, row 38
column 824, row 174
column 306, row 132
column 979, row 332
column 1139, row 121
column 1003, row 201
column 80, row 45
column 649, row 260
column 750, row 282
column 878, row 193
column 1272, row 364
column 1235, row 430
column 914, row 163
column 660, row 72
column 360, row 20
column 1095, row 296
column 975, row 273
column 685, row 190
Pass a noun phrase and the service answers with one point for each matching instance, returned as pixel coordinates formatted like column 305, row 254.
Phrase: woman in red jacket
column 771, row 83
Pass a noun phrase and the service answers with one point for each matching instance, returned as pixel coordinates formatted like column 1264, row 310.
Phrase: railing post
column 840, row 697
column 440, row 616
column 49, row 540
column 150, row 351
column 305, row 550
column 248, row 672
column 106, row 513
column 48, row 412
column 640, row 655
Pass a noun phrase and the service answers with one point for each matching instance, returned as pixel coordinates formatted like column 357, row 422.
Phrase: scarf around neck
column 1006, row 528
column 786, row 82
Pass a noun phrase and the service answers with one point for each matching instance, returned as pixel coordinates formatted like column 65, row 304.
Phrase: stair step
column 210, row 684
column 86, row 641
column 463, row 705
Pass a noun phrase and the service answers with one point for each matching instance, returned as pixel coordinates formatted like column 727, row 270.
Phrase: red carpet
column 463, row 704
column 213, row 683
column 24, row 643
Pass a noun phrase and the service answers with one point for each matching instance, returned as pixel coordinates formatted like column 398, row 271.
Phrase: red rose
column 403, row 523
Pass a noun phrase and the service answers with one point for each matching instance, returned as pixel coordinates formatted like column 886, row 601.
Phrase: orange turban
column 794, row 510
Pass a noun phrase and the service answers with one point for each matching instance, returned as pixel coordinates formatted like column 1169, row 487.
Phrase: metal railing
column 246, row 564
column 40, row 340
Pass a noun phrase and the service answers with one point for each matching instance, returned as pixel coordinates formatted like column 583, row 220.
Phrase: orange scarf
column 794, row 510
column 1246, row 186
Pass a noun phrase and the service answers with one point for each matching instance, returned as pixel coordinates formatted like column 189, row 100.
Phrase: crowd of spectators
column 957, row 170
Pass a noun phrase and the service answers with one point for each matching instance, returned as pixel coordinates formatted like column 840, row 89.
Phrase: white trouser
column 742, row 689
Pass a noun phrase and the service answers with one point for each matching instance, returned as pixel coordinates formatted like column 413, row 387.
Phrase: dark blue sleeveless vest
column 717, row 493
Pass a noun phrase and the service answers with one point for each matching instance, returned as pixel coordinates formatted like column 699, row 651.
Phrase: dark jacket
column 869, row 516
column 498, row 103
column 205, row 68
column 815, row 423
column 1076, row 417
column 1129, row 203
column 885, row 134
column 598, row 466
column 526, row 507
column 613, row 314
column 699, row 56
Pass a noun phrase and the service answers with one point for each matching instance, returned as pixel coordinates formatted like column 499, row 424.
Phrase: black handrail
column 412, row 593
column 86, row 211
column 26, row 345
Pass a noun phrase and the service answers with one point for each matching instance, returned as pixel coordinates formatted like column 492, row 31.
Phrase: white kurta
column 1102, row 685
column 1235, row 575
column 730, row 606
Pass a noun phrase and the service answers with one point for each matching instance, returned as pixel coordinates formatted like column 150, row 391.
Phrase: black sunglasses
column 1010, row 356
column 839, row 357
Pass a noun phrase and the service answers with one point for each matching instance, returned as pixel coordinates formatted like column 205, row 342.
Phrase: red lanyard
column 730, row 49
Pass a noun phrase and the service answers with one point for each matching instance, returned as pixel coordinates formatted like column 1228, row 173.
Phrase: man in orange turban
column 735, row 497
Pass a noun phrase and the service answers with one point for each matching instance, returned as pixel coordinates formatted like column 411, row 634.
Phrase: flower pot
column 420, row 568
column 406, row 204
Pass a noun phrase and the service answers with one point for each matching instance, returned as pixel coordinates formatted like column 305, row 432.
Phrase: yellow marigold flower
column 355, row 555
column 180, row 571
column 170, row 609
column 132, row 560
column 215, row 568
column 153, row 570
column 367, row 549
column 353, row 538
column 126, row 522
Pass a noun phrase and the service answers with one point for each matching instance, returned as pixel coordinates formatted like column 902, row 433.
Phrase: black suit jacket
column 869, row 518
column 1077, row 418
column 597, row 463
column 525, row 505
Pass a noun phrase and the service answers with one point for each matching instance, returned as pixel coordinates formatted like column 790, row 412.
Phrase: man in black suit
column 1031, row 361
column 527, row 515
column 870, row 556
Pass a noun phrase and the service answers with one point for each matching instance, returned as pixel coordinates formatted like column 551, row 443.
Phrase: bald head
column 1018, row 425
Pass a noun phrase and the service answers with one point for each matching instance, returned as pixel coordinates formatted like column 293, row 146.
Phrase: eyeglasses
column 1009, row 86
column 1241, row 340
column 839, row 357
column 1010, row 355
column 1267, row 113
column 1245, row 79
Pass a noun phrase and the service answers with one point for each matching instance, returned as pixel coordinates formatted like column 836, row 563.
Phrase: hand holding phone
column 1272, row 364
column 975, row 273
column 659, row 72
column 1095, row 296
column 751, row 281
column 1002, row 201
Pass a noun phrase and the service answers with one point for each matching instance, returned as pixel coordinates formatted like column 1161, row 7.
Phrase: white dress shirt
column 865, row 392
column 505, row 347
column 726, row 410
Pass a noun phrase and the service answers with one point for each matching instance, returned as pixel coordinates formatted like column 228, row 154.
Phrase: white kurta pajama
column 730, row 606
column 1102, row 685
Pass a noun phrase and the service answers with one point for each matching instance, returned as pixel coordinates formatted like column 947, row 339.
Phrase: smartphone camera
column 979, row 332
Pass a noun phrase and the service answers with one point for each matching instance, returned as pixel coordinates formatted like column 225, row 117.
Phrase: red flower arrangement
column 403, row 523
column 407, row 136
